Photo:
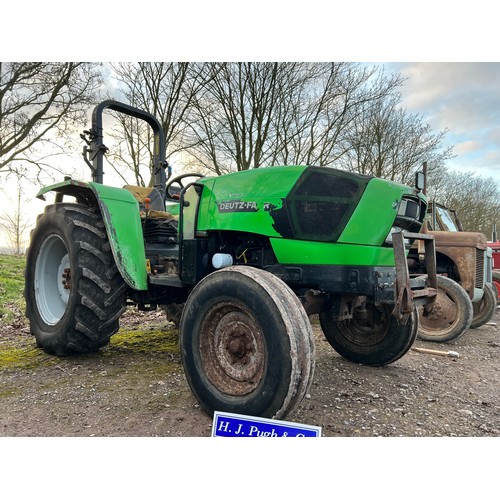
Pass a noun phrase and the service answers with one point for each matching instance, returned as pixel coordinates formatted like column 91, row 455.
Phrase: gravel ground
column 136, row 387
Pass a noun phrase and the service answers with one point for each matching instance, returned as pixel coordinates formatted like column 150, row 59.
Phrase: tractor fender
column 120, row 212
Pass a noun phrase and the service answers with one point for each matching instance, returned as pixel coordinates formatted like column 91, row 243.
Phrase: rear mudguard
column 120, row 212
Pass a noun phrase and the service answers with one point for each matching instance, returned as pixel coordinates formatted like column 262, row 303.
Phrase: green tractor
column 247, row 257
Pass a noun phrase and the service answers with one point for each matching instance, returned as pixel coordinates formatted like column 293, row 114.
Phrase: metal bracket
column 405, row 297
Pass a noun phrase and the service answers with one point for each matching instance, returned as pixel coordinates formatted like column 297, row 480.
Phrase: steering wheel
column 179, row 181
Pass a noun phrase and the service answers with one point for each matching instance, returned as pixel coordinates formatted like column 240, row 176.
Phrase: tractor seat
column 156, row 206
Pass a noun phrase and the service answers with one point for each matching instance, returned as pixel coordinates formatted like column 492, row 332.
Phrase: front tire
column 246, row 344
column 450, row 316
column 485, row 309
column 375, row 340
column 74, row 292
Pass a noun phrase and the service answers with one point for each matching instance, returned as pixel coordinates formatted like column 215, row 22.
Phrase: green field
column 11, row 289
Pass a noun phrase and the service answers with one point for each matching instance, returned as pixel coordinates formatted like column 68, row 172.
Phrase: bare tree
column 234, row 124
column 235, row 116
column 15, row 222
column 476, row 199
column 252, row 114
column 166, row 90
column 386, row 141
column 330, row 99
column 38, row 102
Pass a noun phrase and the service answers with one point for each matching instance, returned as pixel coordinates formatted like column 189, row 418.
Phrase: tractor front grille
column 479, row 268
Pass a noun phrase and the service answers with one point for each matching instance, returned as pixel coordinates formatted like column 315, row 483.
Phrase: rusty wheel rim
column 232, row 349
column 366, row 332
column 442, row 317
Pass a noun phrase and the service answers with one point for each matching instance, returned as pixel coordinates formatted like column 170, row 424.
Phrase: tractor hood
column 459, row 239
column 310, row 203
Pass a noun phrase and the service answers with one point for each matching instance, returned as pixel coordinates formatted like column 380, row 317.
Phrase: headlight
column 408, row 213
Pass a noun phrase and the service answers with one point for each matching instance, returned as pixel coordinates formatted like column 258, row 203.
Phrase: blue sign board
column 234, row 425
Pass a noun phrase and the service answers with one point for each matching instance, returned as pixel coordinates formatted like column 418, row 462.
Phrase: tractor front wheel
column 450, row 316
column 246, row 344
column 374, row 338
column 74, row 292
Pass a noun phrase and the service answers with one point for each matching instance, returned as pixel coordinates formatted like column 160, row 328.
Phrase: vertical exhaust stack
column 425, row 177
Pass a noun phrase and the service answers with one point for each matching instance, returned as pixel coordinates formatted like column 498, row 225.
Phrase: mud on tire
column 246, row 344
column 74, row 292
column 378, row 341
column 451, row 314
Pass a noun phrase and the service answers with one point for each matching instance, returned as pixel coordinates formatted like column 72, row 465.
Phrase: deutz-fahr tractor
column 250, row 255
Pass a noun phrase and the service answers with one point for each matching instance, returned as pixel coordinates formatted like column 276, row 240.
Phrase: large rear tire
column 485, row 309
column 74, row 292
column 375, row 340
column 450, row 316
column 246, row 344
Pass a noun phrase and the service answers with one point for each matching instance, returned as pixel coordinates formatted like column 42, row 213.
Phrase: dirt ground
column 136, row 387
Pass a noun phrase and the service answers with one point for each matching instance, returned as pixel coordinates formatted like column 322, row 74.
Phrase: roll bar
column 95, row 150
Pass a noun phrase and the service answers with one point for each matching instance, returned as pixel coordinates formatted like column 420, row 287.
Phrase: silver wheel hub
column 52, row 280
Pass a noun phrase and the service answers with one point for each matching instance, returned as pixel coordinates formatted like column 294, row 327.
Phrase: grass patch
column 147, row 340
column 11, row 289
column 24, row 357
column 23, row 353
column 8, row 393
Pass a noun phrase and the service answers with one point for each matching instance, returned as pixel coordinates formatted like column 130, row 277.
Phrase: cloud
column 453, row 93
column 464, row 99
column 467, row 147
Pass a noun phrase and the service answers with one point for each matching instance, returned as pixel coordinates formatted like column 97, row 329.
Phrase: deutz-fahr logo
column 237, row 206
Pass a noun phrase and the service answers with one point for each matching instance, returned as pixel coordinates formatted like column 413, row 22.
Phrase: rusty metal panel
column 405, row 296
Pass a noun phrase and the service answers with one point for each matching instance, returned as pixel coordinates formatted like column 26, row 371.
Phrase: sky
column 463, row 98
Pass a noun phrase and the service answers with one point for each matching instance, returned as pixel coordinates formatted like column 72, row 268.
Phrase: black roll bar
column 97, row 149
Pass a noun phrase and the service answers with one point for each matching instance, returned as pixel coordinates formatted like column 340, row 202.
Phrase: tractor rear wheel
column 246, row 344
column 450, row 316
column 376, row 339
column 74, row 292
column 485, row 308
